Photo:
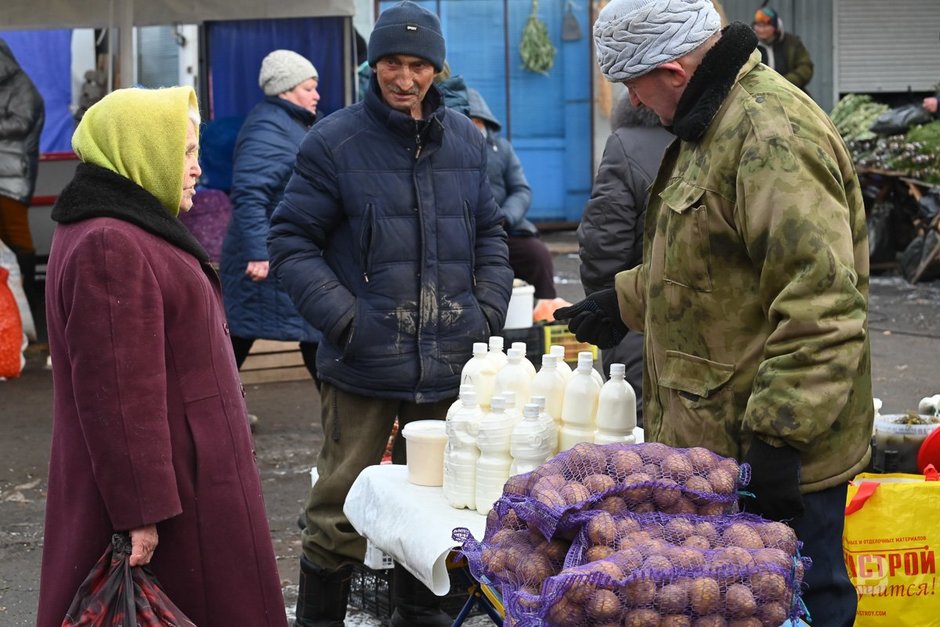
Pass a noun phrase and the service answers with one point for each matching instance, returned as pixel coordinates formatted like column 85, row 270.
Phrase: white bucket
column 425, row 441
column 521, row 304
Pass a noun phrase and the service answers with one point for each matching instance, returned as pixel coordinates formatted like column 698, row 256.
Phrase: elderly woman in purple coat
column 150, row 430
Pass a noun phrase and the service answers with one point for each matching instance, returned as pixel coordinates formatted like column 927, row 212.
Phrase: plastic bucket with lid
column 425, row 441
column 521, row 304
column 900, row 441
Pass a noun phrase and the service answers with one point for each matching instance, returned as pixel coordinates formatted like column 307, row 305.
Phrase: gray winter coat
column 22, row 114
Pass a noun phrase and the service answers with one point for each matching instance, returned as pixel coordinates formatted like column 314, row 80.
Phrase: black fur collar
column 709, row 86
column 97, row 192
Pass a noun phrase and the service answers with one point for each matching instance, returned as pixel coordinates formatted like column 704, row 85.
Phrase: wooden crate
column 271, row 361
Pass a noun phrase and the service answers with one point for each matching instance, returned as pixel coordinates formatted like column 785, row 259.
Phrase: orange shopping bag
column 890, row 543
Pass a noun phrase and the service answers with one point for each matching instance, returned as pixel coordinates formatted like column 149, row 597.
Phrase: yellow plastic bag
column 891, row 537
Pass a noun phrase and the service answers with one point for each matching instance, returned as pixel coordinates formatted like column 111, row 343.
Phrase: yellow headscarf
column 141, row 135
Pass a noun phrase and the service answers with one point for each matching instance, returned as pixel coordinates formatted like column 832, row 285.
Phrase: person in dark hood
column 781, row 50
column 22, row 114
column 528, row 255
column 610, row 236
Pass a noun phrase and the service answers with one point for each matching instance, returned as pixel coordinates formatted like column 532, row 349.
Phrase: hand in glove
column 775, row 481
column 596, row 319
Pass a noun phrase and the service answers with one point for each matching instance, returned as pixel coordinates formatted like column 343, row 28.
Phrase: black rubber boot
column 323, row 595
column 415, row 605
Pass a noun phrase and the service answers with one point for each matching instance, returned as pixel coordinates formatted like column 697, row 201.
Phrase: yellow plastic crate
column 559, row 334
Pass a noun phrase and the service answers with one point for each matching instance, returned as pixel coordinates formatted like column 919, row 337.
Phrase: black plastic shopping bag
column 116, row 595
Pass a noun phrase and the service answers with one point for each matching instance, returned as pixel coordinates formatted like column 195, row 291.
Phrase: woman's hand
column 257, row 270
column 143, row 543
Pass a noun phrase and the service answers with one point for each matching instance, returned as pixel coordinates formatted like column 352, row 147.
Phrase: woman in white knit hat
column 267, row 144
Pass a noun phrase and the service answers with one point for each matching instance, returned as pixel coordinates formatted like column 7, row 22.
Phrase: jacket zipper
column 366, row 241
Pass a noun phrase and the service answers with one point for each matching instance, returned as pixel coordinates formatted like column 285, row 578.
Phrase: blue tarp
column 46, row 57
column 237, row 47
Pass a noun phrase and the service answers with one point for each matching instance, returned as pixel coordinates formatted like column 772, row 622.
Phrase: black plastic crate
column 371, row 591
column 534, row 339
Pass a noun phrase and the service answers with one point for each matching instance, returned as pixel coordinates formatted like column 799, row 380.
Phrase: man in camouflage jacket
column 753, row 290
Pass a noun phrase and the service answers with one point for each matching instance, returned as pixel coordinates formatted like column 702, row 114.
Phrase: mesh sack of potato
column 511, row 556
column 655, row 583
column 641, row 478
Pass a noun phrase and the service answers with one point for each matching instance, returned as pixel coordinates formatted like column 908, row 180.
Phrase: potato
column 722, row 481
column 779, row 536
column 684, row 557
column 640, row 592
column 657, row 562
column 517, row 484
column 672, row 598
column 713, row 509
column 742, row 535
column 666, row 493
column 511, row 520
column 704, row 493
column 626, row 526
column 556, row 550
column 565, row 613
column 708, row 530
column 772, row 614
column 586, row 458
column 643, row 617
column 702, row 459
column 676, row 466
column 712, row 620
column 502, row 536
column 627, row 559
column 603, row 606
column 773, row 556
column 697, row 542
column 494, row 560
column 739, row 601
column 606, row 567
column 682, row 506
column 535, row 569
column 676, row 530
column 675, row 620
column 622, row 463
column 611, row 504
column 633, row 540
column 599, row 483
column 636, row 487
column 654, row 451
column 602, row 529
column 550, row 498
column 574, row 493
column 750, row 621
column 769, row 586
column 598, row 552
column 646, row 507
column 704, row 595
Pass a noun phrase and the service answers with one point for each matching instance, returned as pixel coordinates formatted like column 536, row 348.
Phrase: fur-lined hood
column 625, row 115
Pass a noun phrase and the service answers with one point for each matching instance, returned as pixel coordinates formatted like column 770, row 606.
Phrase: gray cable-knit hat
column 634, row 37
column 407, row 28
column 282, row 70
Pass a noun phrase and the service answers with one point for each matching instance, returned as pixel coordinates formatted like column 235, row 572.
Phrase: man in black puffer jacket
column 610, row 235
column 388, row 241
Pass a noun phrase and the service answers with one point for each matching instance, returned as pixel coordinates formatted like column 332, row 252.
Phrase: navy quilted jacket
column 388, row 240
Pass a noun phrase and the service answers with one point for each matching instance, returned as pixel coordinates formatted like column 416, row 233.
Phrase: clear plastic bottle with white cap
column 616, row 409
column 550, row 382
column 514, row 376
column 525, row 360
column 496, row 355
column 559, row 352
column 480, row 371
column 594, row 372
column 494, row 461
column 532, row 442
column 580, row 404
column 461, row 453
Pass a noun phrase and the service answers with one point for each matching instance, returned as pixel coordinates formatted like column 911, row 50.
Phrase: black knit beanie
column 407, row 28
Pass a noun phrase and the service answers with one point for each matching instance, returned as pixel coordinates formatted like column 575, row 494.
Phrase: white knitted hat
column 633, row 37
column 282, row 70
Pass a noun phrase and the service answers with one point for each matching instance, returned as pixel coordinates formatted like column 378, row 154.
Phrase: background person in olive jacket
column 255, row 305
column 22, row 114
column 388, row 240
column 150, row 433
column 753, row 291
column 610, row 235
column 783, row 51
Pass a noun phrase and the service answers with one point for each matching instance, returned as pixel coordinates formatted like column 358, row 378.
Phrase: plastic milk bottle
column 494, row 461
column 515, row 377
column 550, row 424
column 579, row 405
column 496, row 355
column 525, row 360
column 594, row 372
column 559, row 352
column 480, row 372
column 464, row 389
column 513, row 411
column 532, row 442
column 616, row 409
column 550, row 382
column 461, row 453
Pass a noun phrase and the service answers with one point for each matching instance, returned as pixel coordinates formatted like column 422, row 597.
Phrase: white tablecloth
column 411, row 523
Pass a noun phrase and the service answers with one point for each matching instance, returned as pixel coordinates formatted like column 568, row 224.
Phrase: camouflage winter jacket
column 753, row 290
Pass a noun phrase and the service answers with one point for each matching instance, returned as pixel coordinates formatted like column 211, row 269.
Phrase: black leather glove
column 596, row 319
column 775, row 481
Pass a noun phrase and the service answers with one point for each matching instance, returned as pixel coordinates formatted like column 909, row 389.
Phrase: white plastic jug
column 616, row 409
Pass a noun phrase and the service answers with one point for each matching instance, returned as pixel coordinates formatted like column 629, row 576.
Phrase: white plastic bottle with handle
column 461, row 453
column 532, row 442
column 580, row 404
column 616, row 409
column 493, row 440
